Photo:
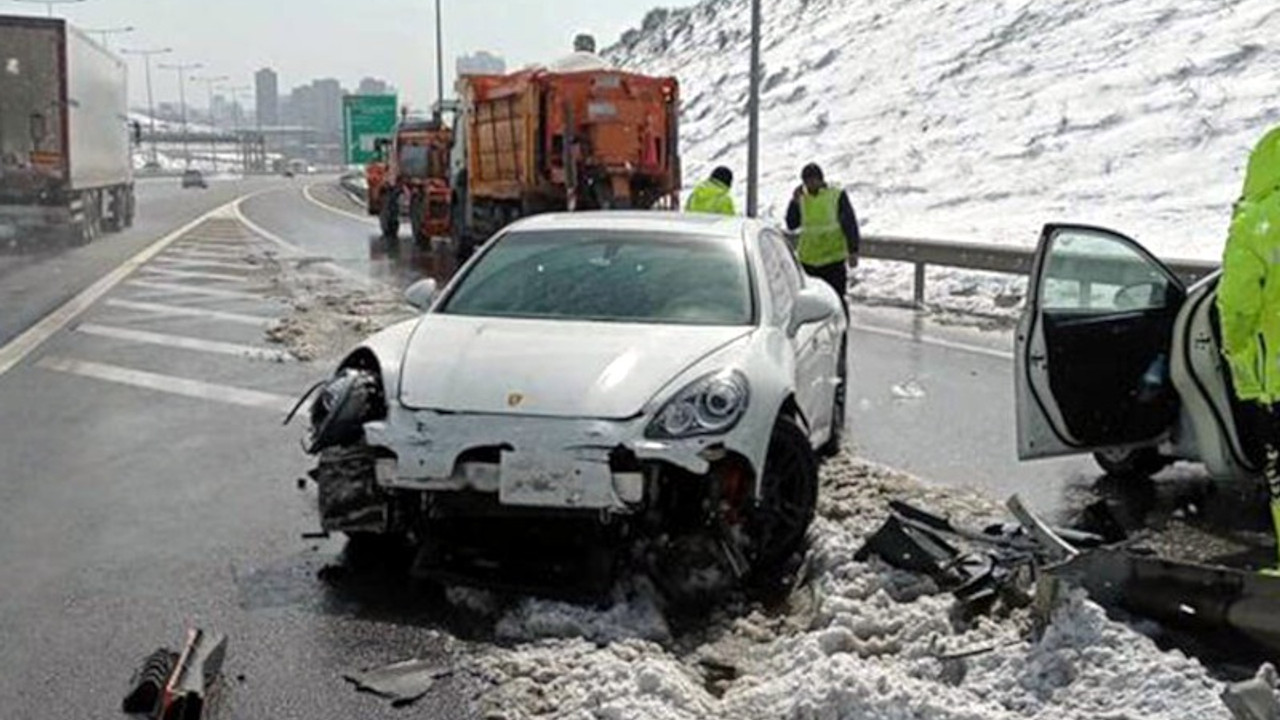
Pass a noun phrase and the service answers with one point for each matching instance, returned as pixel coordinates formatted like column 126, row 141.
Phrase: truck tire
column 116, row 201
column 418, row 219
column 130, row 206
column 390, row 216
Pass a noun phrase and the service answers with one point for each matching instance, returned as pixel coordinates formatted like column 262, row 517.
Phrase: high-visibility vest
column 710, row 196
column 822, row 241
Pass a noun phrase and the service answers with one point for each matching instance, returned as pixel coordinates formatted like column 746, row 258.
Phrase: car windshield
column 609, row 276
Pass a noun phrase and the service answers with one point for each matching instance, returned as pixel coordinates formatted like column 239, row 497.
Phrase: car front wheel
column 787, row 503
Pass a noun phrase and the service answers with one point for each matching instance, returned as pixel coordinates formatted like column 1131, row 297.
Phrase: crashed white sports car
column 657, row 382
column 1117, row 357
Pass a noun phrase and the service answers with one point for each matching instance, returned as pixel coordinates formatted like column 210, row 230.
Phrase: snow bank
column 858, row 640
column 982, row 121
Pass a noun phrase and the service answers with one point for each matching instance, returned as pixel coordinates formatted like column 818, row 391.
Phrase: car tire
column 1137, row 463
column 788, row 501
column 835, row 442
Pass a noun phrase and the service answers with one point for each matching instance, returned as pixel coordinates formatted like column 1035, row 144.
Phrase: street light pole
column 182, row 68
column 439, row 64
column 50, row 3
column 151, row 108
column 104, row 32
column 753, row 116
column 213, row 122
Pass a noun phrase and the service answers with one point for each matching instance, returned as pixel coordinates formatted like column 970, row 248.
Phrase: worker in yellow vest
column 828, row 227
column 712, row 195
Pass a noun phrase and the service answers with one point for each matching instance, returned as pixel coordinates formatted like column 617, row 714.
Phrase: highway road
column 148, row 484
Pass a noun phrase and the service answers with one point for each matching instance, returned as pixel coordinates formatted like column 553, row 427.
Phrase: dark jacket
column 848, row 221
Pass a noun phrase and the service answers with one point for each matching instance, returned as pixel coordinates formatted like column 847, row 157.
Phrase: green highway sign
column 365, row 118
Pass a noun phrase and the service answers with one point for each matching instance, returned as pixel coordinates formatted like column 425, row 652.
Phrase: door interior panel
column 1096, row 368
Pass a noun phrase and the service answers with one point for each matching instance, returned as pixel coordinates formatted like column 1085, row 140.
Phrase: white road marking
column 937, row 342
column 169, row 384
column 306, row 192
column 15, row 350
column 177, row 262
column 333, row 267
column 195, row 312
column 184, row 342
column 190, row 253
column 193, row 274
column 172, row 289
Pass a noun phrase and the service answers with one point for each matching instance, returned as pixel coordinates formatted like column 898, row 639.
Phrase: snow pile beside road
column 983, row 121
column 328, row 316
column 858, row 640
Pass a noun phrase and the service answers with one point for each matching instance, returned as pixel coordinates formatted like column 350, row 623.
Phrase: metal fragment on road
column 402, row 682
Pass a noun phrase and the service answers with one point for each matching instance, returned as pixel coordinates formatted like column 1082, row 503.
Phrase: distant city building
column 481, row 63
column 328, row 107
column 374, row 86
column 267, row 86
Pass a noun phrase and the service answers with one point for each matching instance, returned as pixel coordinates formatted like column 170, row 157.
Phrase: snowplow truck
column 66, row 168
column 554, row 140
column 412, row 180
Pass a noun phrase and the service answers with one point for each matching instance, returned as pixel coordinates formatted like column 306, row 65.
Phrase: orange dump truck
column 545, row 140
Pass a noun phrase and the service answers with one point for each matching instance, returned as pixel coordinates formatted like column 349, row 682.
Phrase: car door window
column 1092, row 272
column 781, row 276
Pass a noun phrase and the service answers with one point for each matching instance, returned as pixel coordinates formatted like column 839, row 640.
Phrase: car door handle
column 1038, row 358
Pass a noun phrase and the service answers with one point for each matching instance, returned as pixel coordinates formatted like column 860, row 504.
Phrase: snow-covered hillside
column 955, row 119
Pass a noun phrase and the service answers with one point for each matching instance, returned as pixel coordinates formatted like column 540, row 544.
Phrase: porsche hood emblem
column 514, row 399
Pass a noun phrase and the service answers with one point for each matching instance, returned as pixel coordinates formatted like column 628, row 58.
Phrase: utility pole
column 104, row 32
column 50, row 3
column 151, row 108
column 439, row 65
column 181, row 69
column 213, row 122
column 753, row 116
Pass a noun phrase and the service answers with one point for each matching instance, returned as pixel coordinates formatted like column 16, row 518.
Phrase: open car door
column 1092, row 355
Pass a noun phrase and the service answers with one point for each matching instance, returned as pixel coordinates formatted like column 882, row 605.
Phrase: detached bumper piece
column 179, row 685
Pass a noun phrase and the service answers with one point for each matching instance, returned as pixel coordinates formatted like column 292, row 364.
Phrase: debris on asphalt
column 179, row 685
column 908, row 390
column 403, row 683
column 1254, row 699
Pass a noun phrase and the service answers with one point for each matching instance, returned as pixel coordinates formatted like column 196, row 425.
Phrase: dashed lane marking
column 178, row 263
column 183, row 342
column 194, row 274
column 15, row 350
column 194, row 312
column 164, row 288
column 169, row 384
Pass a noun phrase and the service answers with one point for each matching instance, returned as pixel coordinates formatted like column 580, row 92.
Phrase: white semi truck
column 66, row 168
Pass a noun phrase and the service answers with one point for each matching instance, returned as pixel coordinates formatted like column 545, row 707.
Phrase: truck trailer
column 66, row 168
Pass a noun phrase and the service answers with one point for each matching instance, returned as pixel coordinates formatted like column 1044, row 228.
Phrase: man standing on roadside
column 712, row 195
column 1249, row 306
column 829, row 236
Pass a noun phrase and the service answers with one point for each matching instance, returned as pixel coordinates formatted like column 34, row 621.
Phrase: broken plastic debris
column 909, row 390
column 403, row 682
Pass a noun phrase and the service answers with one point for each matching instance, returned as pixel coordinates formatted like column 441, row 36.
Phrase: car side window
column 781, row 275
column 1091, row 272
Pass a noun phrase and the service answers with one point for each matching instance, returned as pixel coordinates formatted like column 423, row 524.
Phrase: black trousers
column 837, row 276
column 1263, row 430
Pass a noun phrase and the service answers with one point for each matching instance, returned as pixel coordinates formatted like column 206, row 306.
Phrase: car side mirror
column 813, row 303
column 422, row 293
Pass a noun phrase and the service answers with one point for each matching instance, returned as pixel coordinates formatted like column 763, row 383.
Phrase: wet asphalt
column 129, row 513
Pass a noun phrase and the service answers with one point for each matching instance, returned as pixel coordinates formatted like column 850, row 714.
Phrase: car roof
column 726, row 226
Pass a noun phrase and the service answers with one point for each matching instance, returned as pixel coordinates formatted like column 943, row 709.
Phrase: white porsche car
column 1117, row 357
column 659, row 382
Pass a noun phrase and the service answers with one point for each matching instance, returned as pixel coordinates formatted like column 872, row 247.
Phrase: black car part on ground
column 179, row 685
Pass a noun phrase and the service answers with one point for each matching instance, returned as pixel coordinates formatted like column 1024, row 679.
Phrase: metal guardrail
column 922, row 253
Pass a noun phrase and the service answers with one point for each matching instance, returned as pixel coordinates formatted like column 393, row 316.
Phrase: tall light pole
column 213, row 123
column 151, row 108
column 50, row 3
column 439, row 64
column 104, row 32
column 753, row 116
column 182, row 69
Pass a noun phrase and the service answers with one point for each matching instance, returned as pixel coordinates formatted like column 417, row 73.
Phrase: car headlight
column 709, row 405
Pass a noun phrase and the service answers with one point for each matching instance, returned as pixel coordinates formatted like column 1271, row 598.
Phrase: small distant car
column 663, row 382
column 193, row 178
column 1115, row 356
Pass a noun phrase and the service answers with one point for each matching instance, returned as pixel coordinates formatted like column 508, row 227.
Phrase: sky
column 346, row 39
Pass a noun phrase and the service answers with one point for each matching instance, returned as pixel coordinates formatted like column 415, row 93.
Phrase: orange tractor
column 581, row 137
column 411, row 177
